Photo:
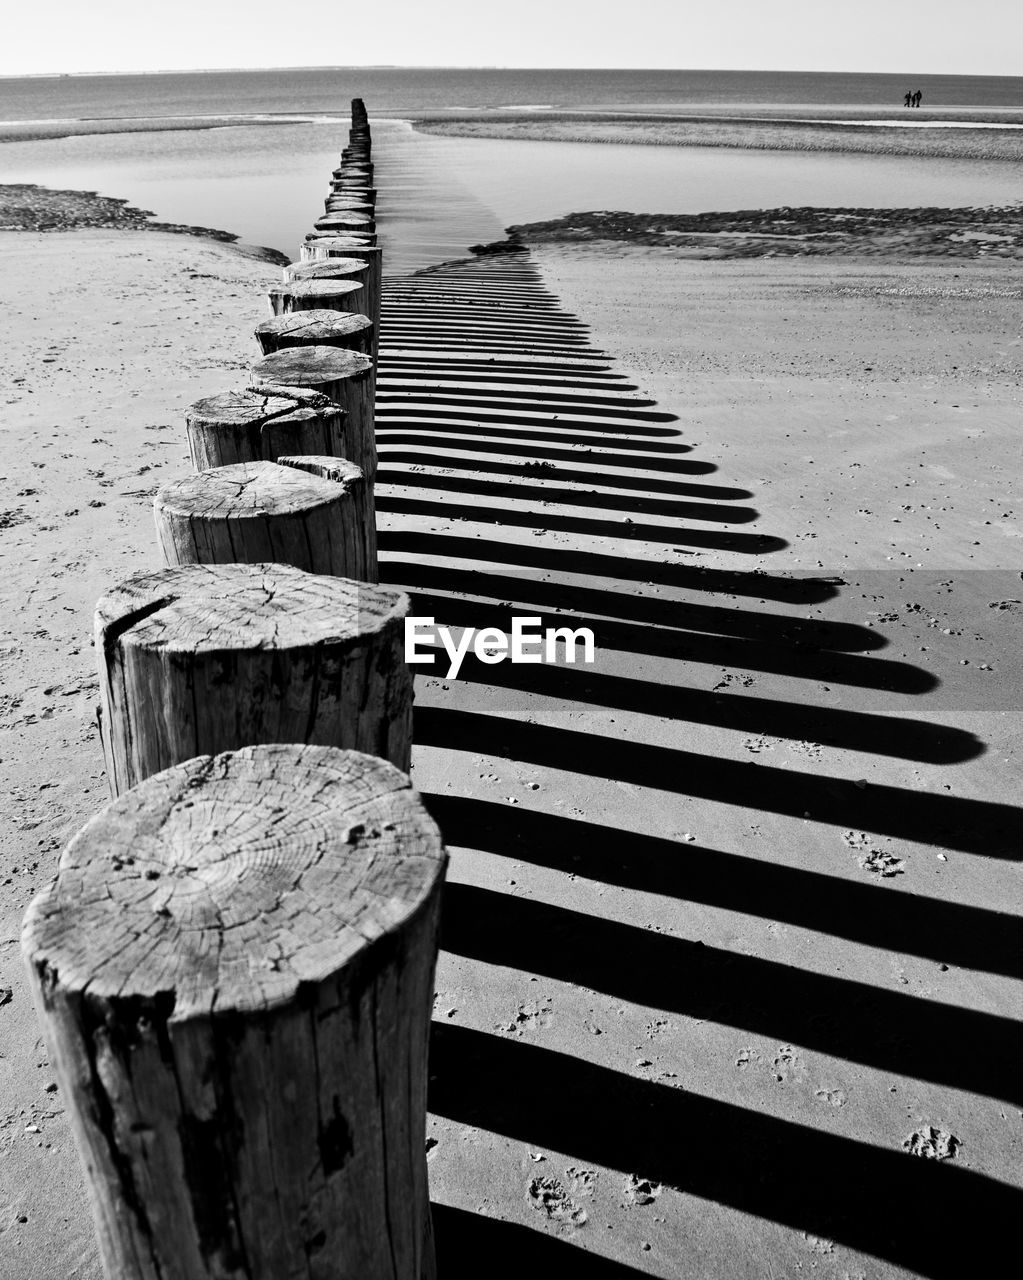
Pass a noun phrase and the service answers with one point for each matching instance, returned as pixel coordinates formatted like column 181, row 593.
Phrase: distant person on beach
column 917, row 98
column 909, row 99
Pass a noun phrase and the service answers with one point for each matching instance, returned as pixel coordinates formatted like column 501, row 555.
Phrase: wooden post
column 349, row 268
column 249, row 425
column 344, row 377
column 204, row 658
column 316, row 328
column 365, row 239
column 328, row 269
column 269, row 512
column 348, row 204
column 342, row 294
column 318, row 250
column 342, row 222
column 234, row 975
column 321, row 268
column 343, row 186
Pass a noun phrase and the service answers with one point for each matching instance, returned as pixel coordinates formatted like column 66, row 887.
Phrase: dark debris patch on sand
column 789, row 232
column 28, row 207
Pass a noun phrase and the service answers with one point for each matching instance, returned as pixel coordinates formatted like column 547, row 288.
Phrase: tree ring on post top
column 293, row 857
column 322, row 327
column 306, row 295
column 270, row 512
column 328, row 269
column 234, row 973
column 247, row 425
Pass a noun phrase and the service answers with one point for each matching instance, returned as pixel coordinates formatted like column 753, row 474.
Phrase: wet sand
column 756, row 131
column 728, row 982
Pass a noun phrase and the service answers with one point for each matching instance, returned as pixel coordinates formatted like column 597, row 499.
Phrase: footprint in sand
column 641, row 1190
column 931, row 1143
column 583, row 1182
column 831, row 1097
column 789, row 1067
column 549, row 1197
column 883, row 863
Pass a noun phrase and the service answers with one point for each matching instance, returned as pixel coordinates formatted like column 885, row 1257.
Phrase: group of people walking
column 914, row 99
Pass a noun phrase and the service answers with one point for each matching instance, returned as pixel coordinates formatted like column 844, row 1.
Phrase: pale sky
column 968, row 37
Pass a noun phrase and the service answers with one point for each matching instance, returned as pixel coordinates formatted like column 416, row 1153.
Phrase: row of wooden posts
column 234, row 966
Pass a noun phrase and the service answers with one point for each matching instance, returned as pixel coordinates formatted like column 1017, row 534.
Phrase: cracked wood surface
column 253, row 424
column 262, row 512
column 198, row 659
column 345, row 377
column 322, row 328
column 234, row 970
column 307, row 295
column 334, row 269
column 325, row 246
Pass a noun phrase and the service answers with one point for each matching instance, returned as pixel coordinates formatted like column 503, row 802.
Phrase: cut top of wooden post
column 201, row 658
column 199, row 608
column 316, row 328
column 326, row 269
column 310, row 366
column 328, row 246
column 343, row 294
column 254, row 491
column 354, row 238
column 340, row 268
column 346, row 377
column 247, row 425
column 223, row 884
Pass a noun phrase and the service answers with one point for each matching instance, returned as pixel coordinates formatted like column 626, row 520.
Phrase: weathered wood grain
column 331, row 247
column 306, row 295
column 344, row 377
column 234, row 974
column 271, row 512
column 253, row 425
column 350, row 268
column 328, row 268
column 205, row 658
column 321, row 328
column 342, row 222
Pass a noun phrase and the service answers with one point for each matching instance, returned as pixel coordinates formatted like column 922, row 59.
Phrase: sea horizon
column 408, row 90
column 243, row 150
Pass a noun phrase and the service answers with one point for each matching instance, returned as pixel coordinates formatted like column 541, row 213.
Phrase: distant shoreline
column 969, row 140
column 969, row 133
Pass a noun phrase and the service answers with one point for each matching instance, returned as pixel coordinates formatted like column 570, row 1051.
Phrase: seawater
column 410, row 90
column 266, row 181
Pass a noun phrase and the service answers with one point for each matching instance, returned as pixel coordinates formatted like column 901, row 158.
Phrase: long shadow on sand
column 881, row 1202
column 944, row 932
column 495, row 411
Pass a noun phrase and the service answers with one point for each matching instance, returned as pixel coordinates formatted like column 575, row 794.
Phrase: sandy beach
column 728, row 982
